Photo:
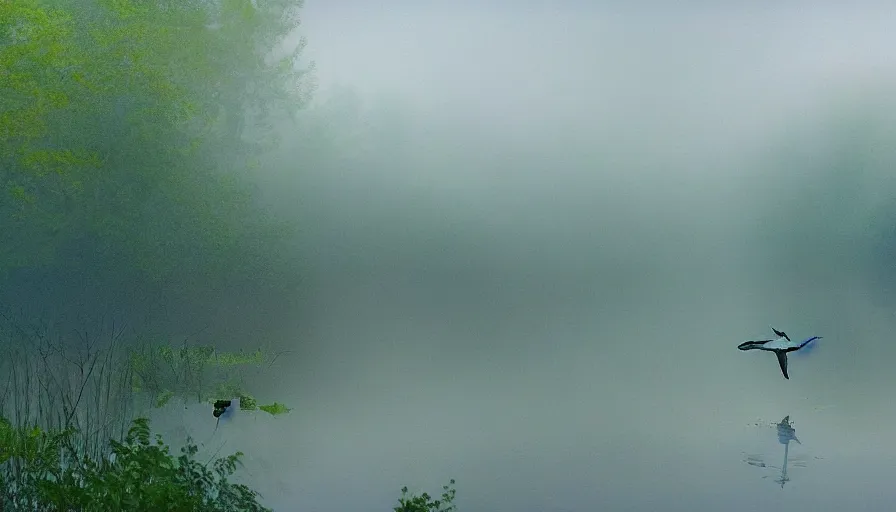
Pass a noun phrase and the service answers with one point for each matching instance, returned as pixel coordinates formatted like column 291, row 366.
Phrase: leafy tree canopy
column 129, row 130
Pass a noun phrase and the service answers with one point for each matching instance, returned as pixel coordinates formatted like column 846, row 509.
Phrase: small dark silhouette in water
column 220, row 407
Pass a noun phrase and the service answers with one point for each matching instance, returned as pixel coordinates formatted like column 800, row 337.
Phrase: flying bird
column 780, row 346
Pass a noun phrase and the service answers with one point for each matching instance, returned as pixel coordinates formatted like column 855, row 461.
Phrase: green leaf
column 248, row 403
column 275, row 408
column 164, row 398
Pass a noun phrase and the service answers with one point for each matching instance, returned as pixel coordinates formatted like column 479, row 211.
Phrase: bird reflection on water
column 786, row 434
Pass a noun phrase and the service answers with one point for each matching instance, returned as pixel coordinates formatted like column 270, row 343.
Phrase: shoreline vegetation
column 132, row 134
column 75, row 433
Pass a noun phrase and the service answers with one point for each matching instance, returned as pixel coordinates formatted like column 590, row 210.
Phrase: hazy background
column 546, row 229
column 532, row 237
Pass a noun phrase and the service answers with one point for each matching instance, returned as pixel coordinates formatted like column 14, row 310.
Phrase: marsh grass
column 73, row 435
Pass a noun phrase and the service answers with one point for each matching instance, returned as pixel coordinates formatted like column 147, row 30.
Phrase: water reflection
column 786, row 434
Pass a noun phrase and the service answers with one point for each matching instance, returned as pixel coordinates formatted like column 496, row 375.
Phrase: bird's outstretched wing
column 747, row 345
column 782, row 361
column 781, row 334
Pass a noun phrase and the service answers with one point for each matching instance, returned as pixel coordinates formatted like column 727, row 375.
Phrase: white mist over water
column 543, row 234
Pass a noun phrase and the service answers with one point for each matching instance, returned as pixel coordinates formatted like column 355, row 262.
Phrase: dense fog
column 531, row 237
column 545, row 230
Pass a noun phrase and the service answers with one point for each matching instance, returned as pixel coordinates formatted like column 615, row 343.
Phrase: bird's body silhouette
column 780, row 346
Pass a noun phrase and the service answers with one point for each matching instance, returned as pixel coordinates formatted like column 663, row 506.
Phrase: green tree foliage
column 141, row 474
column 94, row 384
column 129, row 129
column 409, row 502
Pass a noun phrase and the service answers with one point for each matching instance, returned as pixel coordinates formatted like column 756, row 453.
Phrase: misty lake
column 531, row 238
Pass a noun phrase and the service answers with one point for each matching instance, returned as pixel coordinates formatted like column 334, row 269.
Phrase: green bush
column 44, row 472
column 41, row 470
column 425, row 503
